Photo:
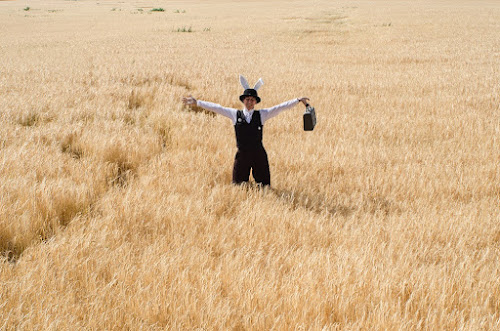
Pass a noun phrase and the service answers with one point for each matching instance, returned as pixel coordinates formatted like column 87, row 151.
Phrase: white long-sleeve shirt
column 265, row 113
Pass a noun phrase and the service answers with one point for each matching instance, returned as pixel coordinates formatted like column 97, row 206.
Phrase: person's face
column 249, row 102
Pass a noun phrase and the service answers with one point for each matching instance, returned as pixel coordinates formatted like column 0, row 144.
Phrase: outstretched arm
column 268, row 113
column 216, row 108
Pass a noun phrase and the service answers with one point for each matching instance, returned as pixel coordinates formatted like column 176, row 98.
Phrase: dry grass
column 116, row 207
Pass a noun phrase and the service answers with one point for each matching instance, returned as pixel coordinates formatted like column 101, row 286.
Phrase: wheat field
column 116, row 204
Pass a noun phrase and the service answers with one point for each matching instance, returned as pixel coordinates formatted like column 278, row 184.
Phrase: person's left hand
column 304, row 100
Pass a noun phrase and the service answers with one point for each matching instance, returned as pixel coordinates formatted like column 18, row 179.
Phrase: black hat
column 250, row 93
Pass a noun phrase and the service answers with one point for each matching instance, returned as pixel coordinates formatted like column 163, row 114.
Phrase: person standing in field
column 248, row 125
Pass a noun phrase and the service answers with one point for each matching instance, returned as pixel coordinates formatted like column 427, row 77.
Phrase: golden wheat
column 116, row 204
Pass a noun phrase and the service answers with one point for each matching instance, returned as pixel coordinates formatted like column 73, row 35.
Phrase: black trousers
column 255, row 160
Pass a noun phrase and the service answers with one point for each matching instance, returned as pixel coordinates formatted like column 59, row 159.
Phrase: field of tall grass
column 116, row 204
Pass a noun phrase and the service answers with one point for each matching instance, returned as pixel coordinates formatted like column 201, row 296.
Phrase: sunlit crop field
column 116, row 204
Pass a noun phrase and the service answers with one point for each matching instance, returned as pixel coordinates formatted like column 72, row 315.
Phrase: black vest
column 248, row 135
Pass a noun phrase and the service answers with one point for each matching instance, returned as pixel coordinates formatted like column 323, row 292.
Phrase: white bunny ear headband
column 246, row 86
column 249, row 92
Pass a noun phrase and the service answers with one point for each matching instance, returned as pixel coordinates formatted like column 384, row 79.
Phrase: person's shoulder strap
column 256, row 116
column 239, row 115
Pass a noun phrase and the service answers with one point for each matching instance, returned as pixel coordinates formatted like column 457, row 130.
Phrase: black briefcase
column 309, row 118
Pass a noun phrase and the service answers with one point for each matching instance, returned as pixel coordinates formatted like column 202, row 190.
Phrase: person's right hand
column 189, row 100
